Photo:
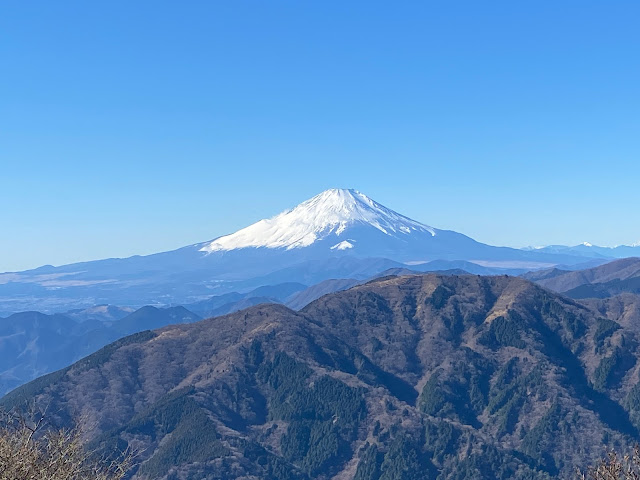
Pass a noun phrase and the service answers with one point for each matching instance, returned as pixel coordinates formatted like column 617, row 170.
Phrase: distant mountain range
column 337, row 234
column 588, row 250
column 610, row 279
column 33, row 344
column 417, row 377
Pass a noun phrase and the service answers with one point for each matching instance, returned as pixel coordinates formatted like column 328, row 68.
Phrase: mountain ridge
column 589, row 250
column 398, row 374
column 613, row 278
column 33, row 343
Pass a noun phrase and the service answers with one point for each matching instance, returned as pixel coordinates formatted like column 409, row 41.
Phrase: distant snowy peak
column 344, row 245
column 587, row 249
column 327, row 214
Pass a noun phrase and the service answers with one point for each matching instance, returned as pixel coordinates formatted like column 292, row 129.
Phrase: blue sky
column 136, row 127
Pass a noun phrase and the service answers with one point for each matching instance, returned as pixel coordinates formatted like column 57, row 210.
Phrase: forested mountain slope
column 449, row 377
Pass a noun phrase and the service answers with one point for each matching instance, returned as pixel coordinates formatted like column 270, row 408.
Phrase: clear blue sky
column 131, row 127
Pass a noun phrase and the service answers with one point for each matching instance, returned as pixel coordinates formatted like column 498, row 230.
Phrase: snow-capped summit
column 325, row 216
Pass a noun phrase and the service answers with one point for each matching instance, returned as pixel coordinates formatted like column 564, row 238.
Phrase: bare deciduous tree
column 615, row 467
column 31, row 450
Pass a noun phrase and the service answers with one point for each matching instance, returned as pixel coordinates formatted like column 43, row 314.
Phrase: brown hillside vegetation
column 623, row 308
column 450, row 377
column 31, row 449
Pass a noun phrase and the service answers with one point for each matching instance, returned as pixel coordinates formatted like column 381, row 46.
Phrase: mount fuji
column 331, row 216
column 339, row 233
column 347, row 221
